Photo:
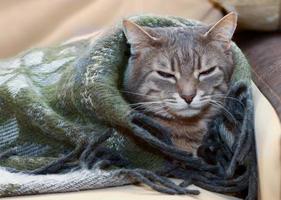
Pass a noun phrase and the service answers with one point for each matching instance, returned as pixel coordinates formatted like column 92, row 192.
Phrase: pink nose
column 188, row 98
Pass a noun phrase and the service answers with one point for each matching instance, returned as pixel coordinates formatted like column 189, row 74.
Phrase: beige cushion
column 255, row 14
column 268, row 141
column 125, row 193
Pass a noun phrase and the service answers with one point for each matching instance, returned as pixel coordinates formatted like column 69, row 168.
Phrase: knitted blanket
column 64, row 125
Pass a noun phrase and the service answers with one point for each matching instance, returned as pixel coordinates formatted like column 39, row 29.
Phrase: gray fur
column 180, row 75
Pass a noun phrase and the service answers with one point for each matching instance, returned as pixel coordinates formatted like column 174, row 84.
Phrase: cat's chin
column 188, row 113
column 180, row 114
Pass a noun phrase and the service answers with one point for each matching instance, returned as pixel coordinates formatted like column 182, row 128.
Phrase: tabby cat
column 180, row 76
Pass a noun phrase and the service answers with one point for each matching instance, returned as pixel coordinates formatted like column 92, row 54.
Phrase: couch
column 38, row 23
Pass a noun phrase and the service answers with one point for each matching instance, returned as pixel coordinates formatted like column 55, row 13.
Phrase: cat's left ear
column 224, row 29
column 136, row 35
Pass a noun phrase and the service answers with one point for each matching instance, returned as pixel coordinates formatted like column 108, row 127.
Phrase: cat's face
column 179, row 72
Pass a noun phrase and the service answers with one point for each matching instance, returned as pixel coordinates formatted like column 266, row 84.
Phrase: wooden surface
column 263, row 50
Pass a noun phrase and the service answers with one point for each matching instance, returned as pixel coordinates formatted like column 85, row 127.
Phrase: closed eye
column 165, row 74
column 207, row 72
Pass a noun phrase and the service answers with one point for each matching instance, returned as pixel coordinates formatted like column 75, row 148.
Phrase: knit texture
column 66, row 127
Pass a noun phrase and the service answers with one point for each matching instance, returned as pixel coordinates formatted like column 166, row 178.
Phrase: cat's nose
column 188, row 98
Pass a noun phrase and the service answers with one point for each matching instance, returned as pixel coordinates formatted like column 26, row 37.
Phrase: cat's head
column 178, row 72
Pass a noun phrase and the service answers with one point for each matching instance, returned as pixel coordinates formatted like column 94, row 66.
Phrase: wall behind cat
column 38, row 23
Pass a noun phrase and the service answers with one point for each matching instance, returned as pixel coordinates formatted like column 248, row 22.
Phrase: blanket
column 65, row 125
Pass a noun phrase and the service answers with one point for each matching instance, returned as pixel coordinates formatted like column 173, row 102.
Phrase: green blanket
column 65, row 125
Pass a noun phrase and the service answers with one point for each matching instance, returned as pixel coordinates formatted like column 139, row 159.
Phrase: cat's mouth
column 184, row 110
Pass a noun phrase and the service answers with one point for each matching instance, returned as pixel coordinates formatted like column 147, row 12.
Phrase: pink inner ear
column 224, row 29
column 222, row 37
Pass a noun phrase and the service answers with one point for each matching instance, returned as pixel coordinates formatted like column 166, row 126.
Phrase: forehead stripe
column 198, row 64
column 178, row 66
column 173, row 64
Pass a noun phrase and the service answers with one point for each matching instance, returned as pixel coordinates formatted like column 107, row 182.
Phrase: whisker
column 225, row 97
column 215, row 103
column 140, row 94
column 147, row 106
column 145, row 102
column 154, row 102
column 125, row 91
column 159, row 111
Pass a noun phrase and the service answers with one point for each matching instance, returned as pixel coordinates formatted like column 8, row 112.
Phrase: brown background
column 263, row 51
column 30, row 23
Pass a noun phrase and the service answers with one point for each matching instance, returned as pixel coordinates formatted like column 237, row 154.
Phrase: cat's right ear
column 136, row 35
column 224, row 29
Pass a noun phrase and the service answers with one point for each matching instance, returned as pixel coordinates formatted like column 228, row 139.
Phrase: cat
column 180, row 75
